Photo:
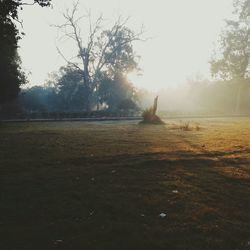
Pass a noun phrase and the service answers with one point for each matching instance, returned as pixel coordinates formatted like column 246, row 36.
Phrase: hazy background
column 182, row 34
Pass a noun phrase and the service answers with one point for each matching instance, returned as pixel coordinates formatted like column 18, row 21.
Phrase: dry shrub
column 147, row 114
column 185, row 126
column 150, row 118
column 197, row 127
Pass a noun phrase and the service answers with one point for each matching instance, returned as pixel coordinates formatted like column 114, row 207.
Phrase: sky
column 183, row 34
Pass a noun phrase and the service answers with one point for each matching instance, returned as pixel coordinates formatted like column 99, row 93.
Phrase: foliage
column 128, row 104
column 150, row 118
column 38, row 99
column 234, row 61
column 66, row 92
column 107, row 52
column 9, row 8
column 12, row 75
column 70, row 89
column 116, row 93
column 147, row 114
column 242, row 8
column 119, row 55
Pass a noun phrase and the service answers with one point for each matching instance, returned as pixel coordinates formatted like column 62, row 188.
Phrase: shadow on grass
column 114, row 202
column 58, row 195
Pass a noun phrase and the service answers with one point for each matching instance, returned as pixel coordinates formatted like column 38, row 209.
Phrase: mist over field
column 117, row 59
column 199, row 97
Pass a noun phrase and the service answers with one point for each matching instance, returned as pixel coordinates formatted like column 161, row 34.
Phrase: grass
column 104, row 185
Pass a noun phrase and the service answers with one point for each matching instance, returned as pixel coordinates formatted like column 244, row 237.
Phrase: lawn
column 103, row 185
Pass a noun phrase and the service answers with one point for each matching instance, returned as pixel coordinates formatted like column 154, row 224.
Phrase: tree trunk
column 155, row 105
column 86, row 79
column 238, row 98
column 88, row 99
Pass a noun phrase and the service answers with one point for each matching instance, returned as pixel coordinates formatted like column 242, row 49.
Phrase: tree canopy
column 12, row 75
column 233, row 61
column 107, row 51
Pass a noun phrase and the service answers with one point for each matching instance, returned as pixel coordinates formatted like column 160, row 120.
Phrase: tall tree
column 117, row 93
column 10, row 64
column 70, row 89
column 233, row 63
column 105, row 50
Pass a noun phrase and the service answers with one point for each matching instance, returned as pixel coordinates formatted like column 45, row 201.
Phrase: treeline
column 65, row 92
column 63, row 97
column 204, row 97
column 95, row 78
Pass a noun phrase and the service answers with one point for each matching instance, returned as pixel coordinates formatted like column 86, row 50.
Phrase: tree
column 10, row 64
column 106, row 50
column 38, row 99
column 242, row 8
column 70, row 89
column 233, row 64
column 116, row 93
column 11, row 74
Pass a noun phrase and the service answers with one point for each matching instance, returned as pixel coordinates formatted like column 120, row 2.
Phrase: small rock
column 57, row 241
column 162, row 215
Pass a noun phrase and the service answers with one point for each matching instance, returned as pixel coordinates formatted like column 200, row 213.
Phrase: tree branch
column 66, row 60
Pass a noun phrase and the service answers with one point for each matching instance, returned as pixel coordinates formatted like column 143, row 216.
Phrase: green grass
column 103, row 185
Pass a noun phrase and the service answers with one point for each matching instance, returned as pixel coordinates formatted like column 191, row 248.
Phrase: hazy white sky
column 183, row 32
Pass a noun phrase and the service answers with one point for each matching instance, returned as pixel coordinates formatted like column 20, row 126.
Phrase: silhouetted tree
column 106, row 50
column 71, row 89
column 10, row 64
column 234, row 61
column 116, row 93
column 38, row 99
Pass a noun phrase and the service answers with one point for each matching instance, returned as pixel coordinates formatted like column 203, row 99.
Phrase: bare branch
column 29, row 3
column 116, row 28
column 66, row 60
column 20, row 22
column 93, row 32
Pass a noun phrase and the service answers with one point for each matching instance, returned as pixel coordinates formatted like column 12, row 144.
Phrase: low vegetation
column 149, row 115
column 150, row 118
column 186, row 126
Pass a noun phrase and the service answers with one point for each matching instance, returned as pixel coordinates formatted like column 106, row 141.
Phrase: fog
column 182, row 37
column 200, row 97
column 178, row 57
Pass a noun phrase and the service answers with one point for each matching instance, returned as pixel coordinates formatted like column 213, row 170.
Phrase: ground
column 103, row 185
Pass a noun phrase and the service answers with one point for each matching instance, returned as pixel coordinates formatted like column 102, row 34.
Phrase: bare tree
column 104, row 50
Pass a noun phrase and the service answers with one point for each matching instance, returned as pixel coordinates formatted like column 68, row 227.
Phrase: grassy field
column 103, row 185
